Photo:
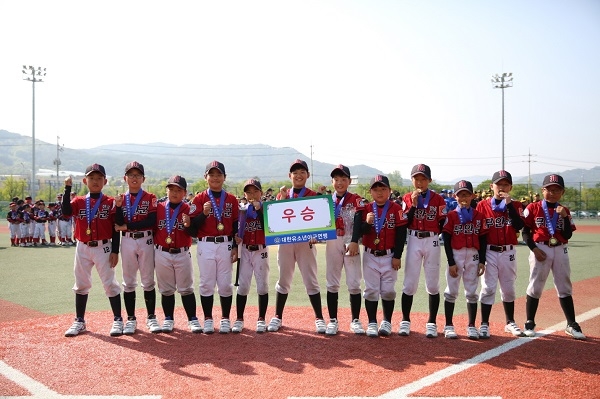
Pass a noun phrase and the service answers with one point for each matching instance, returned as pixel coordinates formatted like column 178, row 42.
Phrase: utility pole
column 312, row 175
column 503, row 81
column 57, row 162
column 34, row 76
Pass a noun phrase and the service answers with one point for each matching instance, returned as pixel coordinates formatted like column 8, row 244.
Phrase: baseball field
column 37, row 361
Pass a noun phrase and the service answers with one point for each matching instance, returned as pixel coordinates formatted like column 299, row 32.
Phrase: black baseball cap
column 215, row 165
column 134, row 165
column 553, row 180
column 252, row 182
column 95, row 168
column 501, row 174
column 298, row 162
column 178, row 181
column 341, row 169
column 380, row 180
column 463, row 185
column 421, row 169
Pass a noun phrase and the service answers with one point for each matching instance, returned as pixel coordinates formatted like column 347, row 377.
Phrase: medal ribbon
column 379, row 221
column 91, row 214
column 300, row 194
column 550, row 221
column 501, row 207
column 338, row 205
column 465, row 214
column 171, row 222
column 251, row 212
column 218, row 211
column 128, row 209
column 423, row 202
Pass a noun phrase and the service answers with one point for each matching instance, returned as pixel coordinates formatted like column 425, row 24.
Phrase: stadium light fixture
column 503, row 81
column 34, row 76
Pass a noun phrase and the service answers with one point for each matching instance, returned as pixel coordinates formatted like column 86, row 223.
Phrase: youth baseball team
column 479, row 239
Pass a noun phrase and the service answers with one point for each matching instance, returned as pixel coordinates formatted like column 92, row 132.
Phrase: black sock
column 129, row 300
column 80, row 305
column 263, row 303
column 472, row 311
column 406, row 304
column 332, row 304
column 434, row 306
column 371, row 308
column 449, row 312
column 315, row 301
column 226, row 302
column 280, row 304
column 531, row 306
column 207, row 305
column 509, row 311
column 115, row 305
column 355, row 303
column 486, row 310
column 168, row 305
column 388, row 309
column 568, row 308
column 240, row 305
column 189, row 304
column 150, row 301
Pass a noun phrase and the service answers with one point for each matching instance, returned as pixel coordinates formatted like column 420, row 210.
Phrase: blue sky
column 383, row 83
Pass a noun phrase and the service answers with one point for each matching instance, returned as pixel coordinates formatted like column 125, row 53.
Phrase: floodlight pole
column 36, row 76
column 503, row 81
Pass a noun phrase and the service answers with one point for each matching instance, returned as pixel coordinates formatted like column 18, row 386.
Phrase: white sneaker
column 575, row 331
column 372, row 330
column 274, row 324
column 514, row 329
column 320, row 326
column 431, row 330
column 195, row 326
column 385, row 328
column 76, row 328
column 130, row 326
column 449, row 332
column 261, row 326
column 238, row 326
column 472, row 332
column 356, row 327
column 117, row 328
column 224, row 326
column 153, row 325
column 404, row 329
column 332, row 327
column 168, row 325
column 529, row 328
column 209, row 326
column 484, row 331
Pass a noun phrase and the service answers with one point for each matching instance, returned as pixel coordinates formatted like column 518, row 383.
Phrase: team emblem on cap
column 503, row 173
column 553, row 179
column 462, row 184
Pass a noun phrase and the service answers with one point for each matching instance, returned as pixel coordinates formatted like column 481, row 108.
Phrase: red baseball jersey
column 394, row 217
column 178, row 237
column 101, row 225
column 228, row 218
column 428, row 218
column 500, row 228
column 13, row 217
column 145, row 206
column 307, row 193
column 536, row 221
column 465, row 235
column 254, row 233
column 349, row 199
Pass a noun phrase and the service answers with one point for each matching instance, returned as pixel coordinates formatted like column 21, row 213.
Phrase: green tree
column 13, row 187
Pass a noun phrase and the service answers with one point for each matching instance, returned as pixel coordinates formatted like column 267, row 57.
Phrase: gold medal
column 220, row 227
column 377, row 241
column 553, row 241
column 88, row 231
column 168, row 240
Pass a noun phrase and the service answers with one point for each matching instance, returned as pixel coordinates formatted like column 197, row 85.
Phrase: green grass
column 41, row 278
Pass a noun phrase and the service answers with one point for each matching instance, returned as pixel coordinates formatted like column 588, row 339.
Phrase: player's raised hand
column 69, row 181
column 185, row 218
column 370, row 218
column 561, row 211
column 415, row 195
column 119, row 200
column 206, row 208
column 505, row 196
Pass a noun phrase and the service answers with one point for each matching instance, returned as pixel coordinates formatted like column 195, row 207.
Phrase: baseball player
column 31, row 225
column 173, row 260
column 52, row 206
column 14, row 224
column 343, row 252
column 384, row 234
column 214, row 220
column 465, row 246
column 303, row 253
column 27, row 221
column 253, row 257
column 65, row 227
column 97, row 245
column 548, row 228
column 40, row 217
column 503, row 219
column 135, row 219
column 426, row 213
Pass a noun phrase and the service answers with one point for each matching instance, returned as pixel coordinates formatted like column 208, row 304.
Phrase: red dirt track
column 298, row 362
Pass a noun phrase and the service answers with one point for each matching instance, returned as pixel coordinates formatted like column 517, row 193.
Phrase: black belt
column 94, row 243
column 136, row 234
column 550, row 245
column 253, row 248
column 380, row 252
column 217, row 239
column 500, row 248
column 173, row 250
column 422, row 234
